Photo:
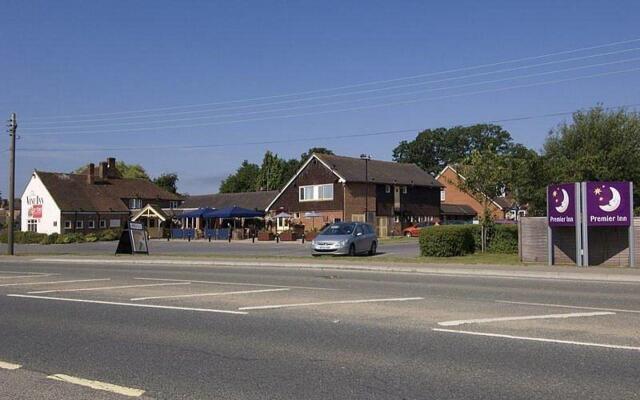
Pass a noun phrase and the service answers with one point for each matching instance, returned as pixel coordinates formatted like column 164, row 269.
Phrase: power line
column 543, row 83
column 370, row 83
column 332, row 95
column 305, row 139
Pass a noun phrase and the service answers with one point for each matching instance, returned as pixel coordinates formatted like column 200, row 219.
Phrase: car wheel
column 374, row 247
column 352, row 250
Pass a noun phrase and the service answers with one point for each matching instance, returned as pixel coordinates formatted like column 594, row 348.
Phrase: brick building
column 337, row 188
column 97, row 198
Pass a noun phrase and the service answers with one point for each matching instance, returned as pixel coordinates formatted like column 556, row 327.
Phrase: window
column 91, row 224
column 135, row 203
column 114, row 223
column 67, row 224
column 55, row 223
column 404, row 190
column 32, row 225
column 103, row 223
column 173, row 204
column 442, row 195
column 79, row 224
column 387, row 188
column 316, row 193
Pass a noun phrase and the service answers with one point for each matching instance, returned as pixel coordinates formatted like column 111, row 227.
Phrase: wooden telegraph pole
column 13, row 126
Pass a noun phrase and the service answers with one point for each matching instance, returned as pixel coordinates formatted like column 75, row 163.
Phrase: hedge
column 447, row 241
column 503, row 239
column 55, row 238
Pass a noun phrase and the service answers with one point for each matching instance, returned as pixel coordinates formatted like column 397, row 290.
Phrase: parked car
column 414, row 230
column 350, row 238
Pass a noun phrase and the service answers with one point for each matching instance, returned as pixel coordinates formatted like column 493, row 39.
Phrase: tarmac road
column 179, row 332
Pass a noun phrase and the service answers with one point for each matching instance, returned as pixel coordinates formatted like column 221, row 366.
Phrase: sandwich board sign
column 133, row 240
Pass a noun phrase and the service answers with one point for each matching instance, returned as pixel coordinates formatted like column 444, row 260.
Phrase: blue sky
column 66, row 61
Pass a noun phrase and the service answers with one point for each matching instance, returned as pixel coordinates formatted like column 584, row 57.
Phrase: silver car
column 350, row 238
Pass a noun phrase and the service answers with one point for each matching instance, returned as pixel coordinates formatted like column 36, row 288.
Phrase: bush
column 447, row 241
column 92, row 237
column 51, row 239
column 504, row 239
column 24, row 237
column 70, row 238
column 108, row 235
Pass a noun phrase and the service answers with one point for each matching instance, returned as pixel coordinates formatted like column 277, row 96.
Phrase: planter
column 309, row 236
column 265, row 236
column 288, row 236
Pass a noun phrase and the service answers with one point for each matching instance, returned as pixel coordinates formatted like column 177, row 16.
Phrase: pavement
column 192, row 331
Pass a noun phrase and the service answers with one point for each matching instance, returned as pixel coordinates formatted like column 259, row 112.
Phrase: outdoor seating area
column 229, row 223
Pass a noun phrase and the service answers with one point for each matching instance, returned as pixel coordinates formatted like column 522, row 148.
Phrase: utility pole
column 13, row 125
column 366, row 158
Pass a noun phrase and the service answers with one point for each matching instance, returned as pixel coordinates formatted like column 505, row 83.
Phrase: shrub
column 70, row 238
column 24, row 237
column 92, row 237
column 504, row 239
column 108, row 235
column 447, row 241
column 51, row 239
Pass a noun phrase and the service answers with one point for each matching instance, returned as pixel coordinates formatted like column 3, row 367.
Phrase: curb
column 448, row 270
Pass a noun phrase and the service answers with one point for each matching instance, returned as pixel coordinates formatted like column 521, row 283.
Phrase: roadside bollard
column 277, row 238
column 302, row 239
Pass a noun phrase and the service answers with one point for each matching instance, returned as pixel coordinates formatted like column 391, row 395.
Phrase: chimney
column 90, row 174
column 102, row 170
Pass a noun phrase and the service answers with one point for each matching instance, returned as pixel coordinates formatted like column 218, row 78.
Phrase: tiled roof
column 71, row 192
column 457, row 209
column 250, row 200
column 353, row 170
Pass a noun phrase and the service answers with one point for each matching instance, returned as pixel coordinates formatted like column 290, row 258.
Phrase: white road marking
column 236, row 283
column 270, row 307
column 209, row 294
column 10, row 366
column 523, row 318
column 23, row 272
column 53, row 282
column 109, row 287
column 535, row 339
column 569, row 306
column 107, row 387
column 113, row 303
column 26, row 276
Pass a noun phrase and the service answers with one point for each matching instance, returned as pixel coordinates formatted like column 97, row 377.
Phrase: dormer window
column 135, row 204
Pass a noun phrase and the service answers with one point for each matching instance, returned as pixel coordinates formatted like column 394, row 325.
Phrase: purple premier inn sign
column 608, row 203
column 561, row 200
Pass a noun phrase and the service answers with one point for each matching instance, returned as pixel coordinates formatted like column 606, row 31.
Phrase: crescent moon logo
column 614, row 203
column 562, row 208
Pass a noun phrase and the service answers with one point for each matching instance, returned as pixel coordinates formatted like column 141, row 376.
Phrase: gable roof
column 250, row 200
column 71, row 192
column 352, row 169
column 501, row 202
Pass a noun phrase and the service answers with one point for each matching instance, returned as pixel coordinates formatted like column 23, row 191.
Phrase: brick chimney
column 91, row 174
column 102, row 170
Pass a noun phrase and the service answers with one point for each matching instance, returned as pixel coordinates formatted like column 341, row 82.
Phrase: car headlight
column 343, row 242
column 313, row 242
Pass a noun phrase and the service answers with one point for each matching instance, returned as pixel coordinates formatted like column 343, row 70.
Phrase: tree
column 485, row 177
column 272, row 174
column 596, row 145
column 526, row 179
column 132, row 171
column 317, row 150
column 433, row 149
column 243, row 180
column 167, row 181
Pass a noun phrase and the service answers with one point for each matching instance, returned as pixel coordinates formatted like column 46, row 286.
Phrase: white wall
column 37, row 194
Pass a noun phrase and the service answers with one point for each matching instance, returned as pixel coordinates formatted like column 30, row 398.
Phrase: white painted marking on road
column 535, row 339
column 53, row 282
column 270, row 307
column 523, row 318
column 113, row 303
column 23, row 272
column 97, row 385
column 109, row 287
column 9, row 366
column 237, row 283
column 622, row 310
column 178, row 296
column 26, row 276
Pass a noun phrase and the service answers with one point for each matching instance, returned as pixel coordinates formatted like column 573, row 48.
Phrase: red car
column 414, row 230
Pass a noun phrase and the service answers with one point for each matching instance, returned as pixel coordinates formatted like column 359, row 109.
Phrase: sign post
column 563, row 210
column 133, row 240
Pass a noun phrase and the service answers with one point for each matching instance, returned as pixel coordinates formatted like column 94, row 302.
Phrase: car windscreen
column 338, row 229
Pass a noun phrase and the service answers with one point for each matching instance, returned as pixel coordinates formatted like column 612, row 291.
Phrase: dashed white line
column 270, row 307
column 107, row 387
column 26, row 276
column 522, row 318
column 113, row 303
column 109, row 287
column 179, row 296
column 53, row 282
column 23, row 272
column 622, row 310
column 9, row 366
column 236, row 283
column 536, row 339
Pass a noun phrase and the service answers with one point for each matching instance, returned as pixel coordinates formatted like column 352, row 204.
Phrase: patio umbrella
column 194, row 213
column 313, row 215
column 283, row 215
column 233, row 212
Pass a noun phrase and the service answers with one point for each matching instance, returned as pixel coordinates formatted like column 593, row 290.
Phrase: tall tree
column 317, row 150
column 596, row 145
column 132, row 171
column 168, row 181
column 272, row 172
column 433, row 149
column 243, row 180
